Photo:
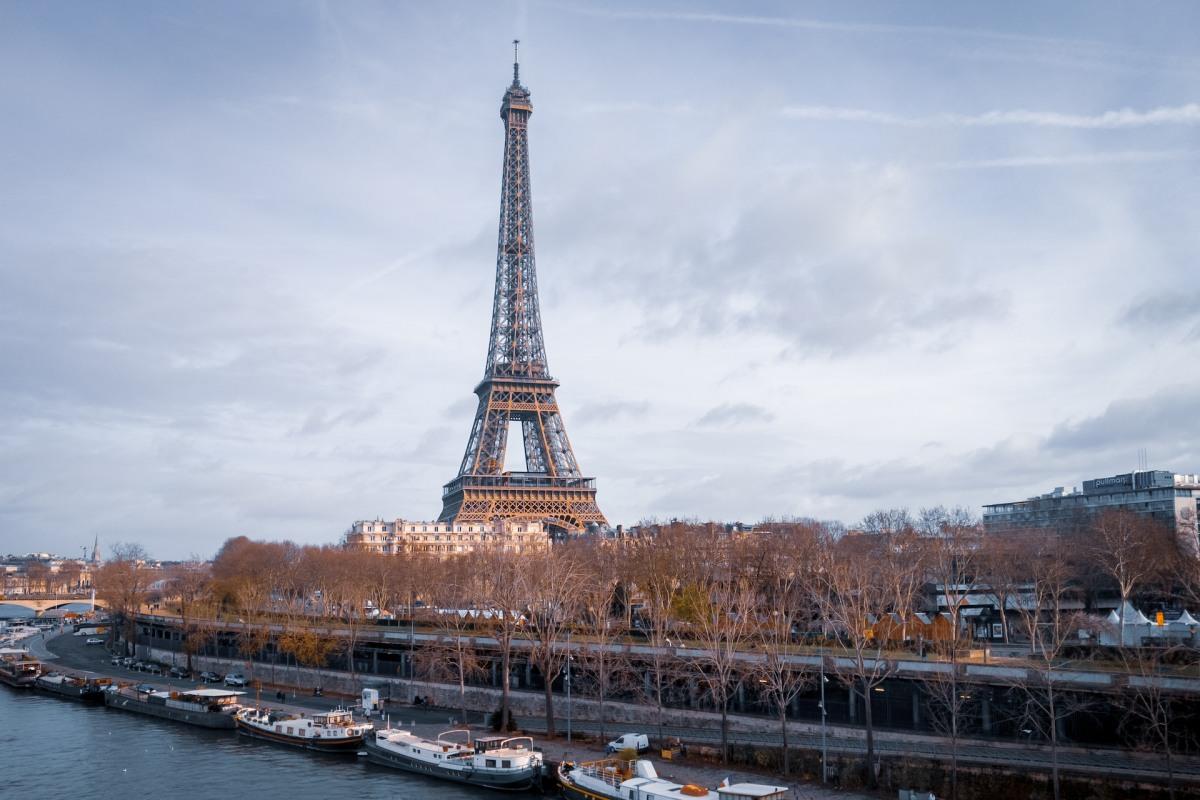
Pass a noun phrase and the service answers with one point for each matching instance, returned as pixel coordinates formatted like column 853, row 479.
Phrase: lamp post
column 824, row 747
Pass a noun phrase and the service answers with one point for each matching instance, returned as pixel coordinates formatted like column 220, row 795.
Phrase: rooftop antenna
column 516, row 64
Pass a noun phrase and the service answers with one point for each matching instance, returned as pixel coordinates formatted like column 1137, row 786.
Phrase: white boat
column 495, row 762
column 332, row 731
column 612, row 779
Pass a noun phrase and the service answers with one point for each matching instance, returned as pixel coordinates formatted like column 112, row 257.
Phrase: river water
column 57, row 748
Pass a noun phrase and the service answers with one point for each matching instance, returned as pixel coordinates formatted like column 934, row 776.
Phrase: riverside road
column 70, row 651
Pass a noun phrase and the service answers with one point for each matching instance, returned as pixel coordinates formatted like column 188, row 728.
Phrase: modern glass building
column 1174, row 498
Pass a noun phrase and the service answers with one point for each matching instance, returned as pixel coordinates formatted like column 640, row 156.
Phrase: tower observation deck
column 516, row 385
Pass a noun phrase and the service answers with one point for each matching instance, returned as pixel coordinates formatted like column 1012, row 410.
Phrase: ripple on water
column 55, row 748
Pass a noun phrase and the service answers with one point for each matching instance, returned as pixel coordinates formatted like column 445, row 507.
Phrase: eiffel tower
column 516, row 385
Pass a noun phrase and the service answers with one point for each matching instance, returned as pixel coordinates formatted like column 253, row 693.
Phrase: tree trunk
column 658, row 698
column 787, row 764
column 549, row 708
column 505, row 665
column 603, row 698
column 954, row 756
column 1170, row 772
column 724, row 730
column 462, row 690
column 954, row 709
column 868, row 722
column 1053, row 740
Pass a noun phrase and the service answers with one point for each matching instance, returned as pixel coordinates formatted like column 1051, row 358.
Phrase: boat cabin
column 204, row 700
column 337, row 718
column 500, row 752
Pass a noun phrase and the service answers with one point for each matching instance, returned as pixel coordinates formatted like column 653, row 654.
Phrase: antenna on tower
column 516, row 64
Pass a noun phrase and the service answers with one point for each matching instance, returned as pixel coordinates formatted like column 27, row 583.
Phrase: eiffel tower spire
column 516, row 385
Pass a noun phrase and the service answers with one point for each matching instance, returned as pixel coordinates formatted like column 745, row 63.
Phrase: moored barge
column 17, row 669
column 494, row 762
column 207, row 708
column 612, row 779
column 73, row 687
column 331, row 732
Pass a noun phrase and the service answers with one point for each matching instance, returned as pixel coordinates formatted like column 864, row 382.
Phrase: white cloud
column 1187, row 114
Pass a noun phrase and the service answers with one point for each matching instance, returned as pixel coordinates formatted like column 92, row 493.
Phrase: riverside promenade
column 70, row 653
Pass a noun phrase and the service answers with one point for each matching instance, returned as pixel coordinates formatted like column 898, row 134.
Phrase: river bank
column 71, row 653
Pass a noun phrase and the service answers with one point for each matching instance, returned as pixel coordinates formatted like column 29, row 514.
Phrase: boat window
column 491, row 762
column 506, row 763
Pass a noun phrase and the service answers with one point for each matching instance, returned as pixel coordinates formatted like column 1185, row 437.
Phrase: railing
column 610, row 770
column 520, row 480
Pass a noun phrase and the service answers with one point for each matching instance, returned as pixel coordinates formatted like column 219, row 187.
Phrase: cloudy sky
column 804, row 259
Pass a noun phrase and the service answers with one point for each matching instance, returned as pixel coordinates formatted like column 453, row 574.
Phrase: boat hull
column 17, row 681
column 93, row 695
column 571, row 791
column 351, row 744
column 205, row 719
column 517, row 781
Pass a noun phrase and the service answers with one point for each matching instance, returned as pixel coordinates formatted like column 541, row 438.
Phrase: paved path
column 71, row 653
column 971, row 751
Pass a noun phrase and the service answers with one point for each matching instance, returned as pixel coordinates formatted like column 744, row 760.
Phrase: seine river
column 56, row 748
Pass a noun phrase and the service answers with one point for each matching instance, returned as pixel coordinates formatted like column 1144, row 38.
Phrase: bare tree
column 1153, row 717
column 784, row 584
column 952, row 548
column 1130, row 548
column 1052, row 618
column 852, row 593
column 189, row 582
column 123, row 582
column 999, row 574
column 37, row 577
column 600, row 659
column 454, row 617
column 69, row 575
column 553, row 602
column 723, row 618
column 652, row 569
column 503, row 591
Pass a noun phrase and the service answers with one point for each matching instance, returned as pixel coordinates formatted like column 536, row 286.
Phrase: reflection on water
column 55, row 748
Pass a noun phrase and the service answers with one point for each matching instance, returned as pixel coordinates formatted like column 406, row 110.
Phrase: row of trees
column 40, row 578
column 712, row 611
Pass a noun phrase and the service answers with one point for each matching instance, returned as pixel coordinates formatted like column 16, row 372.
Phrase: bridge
column 41, row 603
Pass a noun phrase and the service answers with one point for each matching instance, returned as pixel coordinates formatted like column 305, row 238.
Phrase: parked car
column 153, row 669
column 235, row 679
column 115, row 661
column 177, row 672
column 94, row 640
column 628, row 741
column 128, row 661
column 210, row 677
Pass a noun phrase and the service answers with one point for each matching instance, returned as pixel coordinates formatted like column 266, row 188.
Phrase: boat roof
column 750, row 790
column 213, row 693
column 669, row 789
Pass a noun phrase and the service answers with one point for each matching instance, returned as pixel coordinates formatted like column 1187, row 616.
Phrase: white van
column 631, row 741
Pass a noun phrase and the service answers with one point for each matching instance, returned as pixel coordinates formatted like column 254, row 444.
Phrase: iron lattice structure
column 516, row 385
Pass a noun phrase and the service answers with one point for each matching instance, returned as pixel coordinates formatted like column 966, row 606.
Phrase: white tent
column 1186, row 619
